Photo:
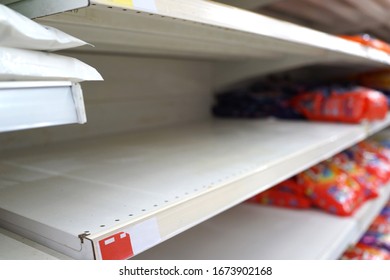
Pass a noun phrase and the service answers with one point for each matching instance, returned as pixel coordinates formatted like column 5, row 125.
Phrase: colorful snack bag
column 369, row 183
column 373, row 163
column 364, row 252
column 331, row 189
column 377, row 239
column 351, row 105
column 381, row 224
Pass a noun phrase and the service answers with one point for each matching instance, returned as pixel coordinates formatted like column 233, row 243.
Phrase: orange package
column 369, row 183
column 331, row 189
column 372, row 162
column 351, row 106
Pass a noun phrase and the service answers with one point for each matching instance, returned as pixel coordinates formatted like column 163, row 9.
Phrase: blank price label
column 147, row 5
column 145, row 235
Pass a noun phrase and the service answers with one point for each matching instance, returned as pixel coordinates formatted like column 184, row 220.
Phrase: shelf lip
column 193, row 21
column 168, row 179
column 27, row 105
column 34, row 84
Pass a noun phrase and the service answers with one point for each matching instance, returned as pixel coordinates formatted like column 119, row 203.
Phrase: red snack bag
column 369, row 183
column 372, row 162
column 365, row 252
column 380, row 224
column 375, row 147
column 332, row 190
column 347, row 105
column 376, row 105
column 286, row 194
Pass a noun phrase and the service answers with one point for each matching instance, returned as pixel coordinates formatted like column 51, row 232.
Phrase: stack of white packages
column 37, row 87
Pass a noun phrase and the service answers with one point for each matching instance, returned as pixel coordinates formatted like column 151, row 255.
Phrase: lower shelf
column 251, row 231
column 25, row 105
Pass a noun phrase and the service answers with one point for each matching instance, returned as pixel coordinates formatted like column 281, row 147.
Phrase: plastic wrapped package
column 254, row 104
column 377, row 148
column 331, row 189
column 386, row 212
column 380, row 224
column 369, row 183
column 351, row 105
column 377, row 239
column 378, row 234
column 372, row 162
column 26, row 65
column 18, row 31
column 364, row 252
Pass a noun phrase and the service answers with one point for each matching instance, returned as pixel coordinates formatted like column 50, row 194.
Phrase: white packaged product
column 18, row 31
column 26, row 65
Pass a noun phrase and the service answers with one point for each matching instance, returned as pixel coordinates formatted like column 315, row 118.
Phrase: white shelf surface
column 40, row 8
column 15, row 247
column 155, row 184
column 251, row 231
column 198, row 28
column 25, row 105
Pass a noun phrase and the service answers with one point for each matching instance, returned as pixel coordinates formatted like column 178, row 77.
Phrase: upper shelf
column 86, row 197
column 256, row 44
column 201, row 28
column 25, row 105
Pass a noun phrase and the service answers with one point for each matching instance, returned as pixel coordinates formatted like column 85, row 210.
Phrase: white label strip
column 148, row 5
column 145, row 235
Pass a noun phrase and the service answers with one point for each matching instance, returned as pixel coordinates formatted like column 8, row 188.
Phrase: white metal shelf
column 155, row 184
column 26, row 105
column 15, row 247
column 251, row 231
column 40, row 8
column 198, row 28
